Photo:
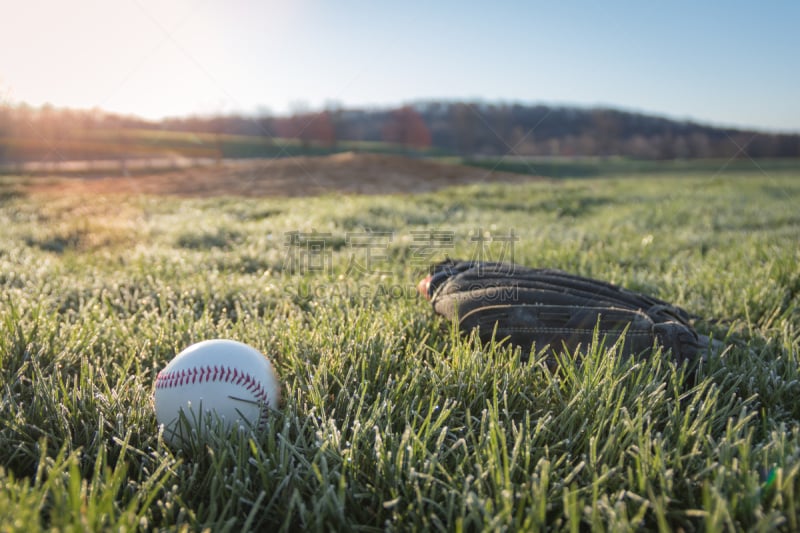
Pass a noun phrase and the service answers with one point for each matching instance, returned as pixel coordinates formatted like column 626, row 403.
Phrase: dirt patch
column 294, row 176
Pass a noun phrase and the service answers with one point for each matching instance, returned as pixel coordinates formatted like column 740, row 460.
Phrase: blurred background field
column 54, row 140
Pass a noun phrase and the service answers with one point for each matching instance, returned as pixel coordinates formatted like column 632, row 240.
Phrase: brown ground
column 296, row 176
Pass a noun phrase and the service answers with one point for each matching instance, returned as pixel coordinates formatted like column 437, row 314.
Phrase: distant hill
column 470, row 129
column 425, row 128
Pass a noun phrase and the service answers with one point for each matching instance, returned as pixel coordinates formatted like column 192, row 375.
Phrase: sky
column 728, row 63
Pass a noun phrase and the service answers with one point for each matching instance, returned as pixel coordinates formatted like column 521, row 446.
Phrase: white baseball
column 216, row 381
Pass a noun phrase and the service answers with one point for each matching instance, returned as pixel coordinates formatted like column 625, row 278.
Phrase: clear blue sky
column 730, row 63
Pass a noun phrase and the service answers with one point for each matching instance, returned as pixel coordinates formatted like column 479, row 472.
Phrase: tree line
column 467, row 129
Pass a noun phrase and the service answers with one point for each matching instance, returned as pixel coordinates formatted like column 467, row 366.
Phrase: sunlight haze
column 724, row 64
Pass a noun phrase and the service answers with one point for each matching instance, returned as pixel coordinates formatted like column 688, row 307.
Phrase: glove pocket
column 558, row 327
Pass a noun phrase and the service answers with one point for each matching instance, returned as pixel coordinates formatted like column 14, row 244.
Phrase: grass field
column 389, row 419
column 157, row 147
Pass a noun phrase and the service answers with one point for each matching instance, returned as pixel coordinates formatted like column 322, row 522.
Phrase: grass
column 390, row 420
column 161, row 149
column 591, row 167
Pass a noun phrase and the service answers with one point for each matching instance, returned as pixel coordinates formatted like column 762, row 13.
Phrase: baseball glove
column 542, row 309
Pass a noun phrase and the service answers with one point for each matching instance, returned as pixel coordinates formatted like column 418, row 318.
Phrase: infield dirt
column 292, row 176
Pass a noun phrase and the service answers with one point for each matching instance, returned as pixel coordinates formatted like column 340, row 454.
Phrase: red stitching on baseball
column 178, row 378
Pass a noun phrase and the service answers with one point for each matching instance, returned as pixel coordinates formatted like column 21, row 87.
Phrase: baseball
column 213, row 382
